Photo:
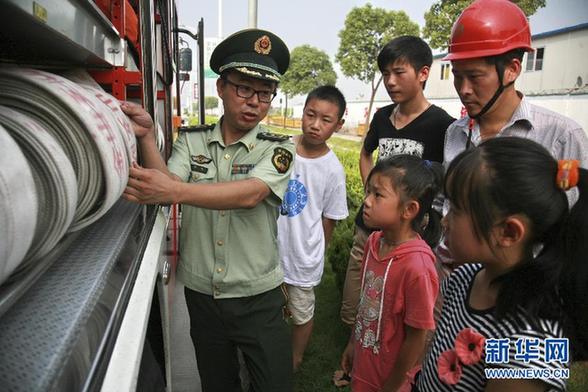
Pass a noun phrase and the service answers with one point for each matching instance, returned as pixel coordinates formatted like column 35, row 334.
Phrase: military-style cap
column 253, row 52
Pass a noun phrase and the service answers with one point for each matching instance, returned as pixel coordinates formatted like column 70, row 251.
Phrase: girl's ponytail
column 420, row 180
column 429, row 224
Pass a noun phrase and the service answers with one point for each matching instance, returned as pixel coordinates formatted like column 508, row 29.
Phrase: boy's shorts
column 300, row 303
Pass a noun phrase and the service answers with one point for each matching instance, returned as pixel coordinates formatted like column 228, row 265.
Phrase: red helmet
column 489, row 28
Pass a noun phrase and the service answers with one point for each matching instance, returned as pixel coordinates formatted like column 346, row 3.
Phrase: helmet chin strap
column 489, row 104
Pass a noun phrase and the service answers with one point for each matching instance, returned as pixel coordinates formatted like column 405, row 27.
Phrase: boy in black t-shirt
column 410, row 125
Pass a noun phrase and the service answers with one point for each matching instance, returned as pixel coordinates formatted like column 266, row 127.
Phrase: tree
column 309, row 68
column 367, row 30
column 443, row 13
column 210, row 102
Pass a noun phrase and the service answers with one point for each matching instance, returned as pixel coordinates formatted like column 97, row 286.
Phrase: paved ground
column 185, row 376
column 347, row 137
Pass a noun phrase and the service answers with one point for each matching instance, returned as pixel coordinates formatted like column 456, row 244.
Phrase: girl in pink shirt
column 399, row 280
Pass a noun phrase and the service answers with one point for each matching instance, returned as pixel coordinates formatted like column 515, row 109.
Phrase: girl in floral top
column 399, row 280
column 514, row 311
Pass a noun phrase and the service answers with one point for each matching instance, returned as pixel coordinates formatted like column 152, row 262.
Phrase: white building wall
column 437, row 88
column 564, row 65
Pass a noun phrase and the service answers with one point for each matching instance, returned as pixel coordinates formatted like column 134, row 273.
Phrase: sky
column 318, row 22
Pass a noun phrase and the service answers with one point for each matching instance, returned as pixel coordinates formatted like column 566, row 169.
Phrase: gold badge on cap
column 263, row 45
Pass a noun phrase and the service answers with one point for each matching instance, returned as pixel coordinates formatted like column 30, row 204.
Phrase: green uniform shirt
column 231, row 253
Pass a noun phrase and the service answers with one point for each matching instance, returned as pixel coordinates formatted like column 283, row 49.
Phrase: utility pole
column 252, row 14
column 220, row 19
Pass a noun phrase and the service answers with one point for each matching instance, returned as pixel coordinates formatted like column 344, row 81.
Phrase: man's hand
column 141, row 120
column 150, row 186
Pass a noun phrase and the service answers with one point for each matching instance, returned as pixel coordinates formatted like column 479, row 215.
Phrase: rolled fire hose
column 18, row 205
column 76, row 146
column 55, row 181
column 83, row 126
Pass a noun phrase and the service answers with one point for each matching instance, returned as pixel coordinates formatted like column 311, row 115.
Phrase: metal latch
column 166, row 272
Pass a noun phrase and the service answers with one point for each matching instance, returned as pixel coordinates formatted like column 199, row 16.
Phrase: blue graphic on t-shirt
column 295, row 198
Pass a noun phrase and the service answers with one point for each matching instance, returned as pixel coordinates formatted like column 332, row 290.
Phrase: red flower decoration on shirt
column 449, row 367
column 469, row 346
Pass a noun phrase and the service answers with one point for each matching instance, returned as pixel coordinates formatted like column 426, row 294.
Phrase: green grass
column 207, row 120
column 578, row 381
column 327, row 342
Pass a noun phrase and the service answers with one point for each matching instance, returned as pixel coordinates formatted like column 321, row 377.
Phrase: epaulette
column 274, row 137
column 197, row 128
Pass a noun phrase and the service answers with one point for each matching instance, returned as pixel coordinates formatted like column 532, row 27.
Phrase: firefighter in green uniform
column 230, row 179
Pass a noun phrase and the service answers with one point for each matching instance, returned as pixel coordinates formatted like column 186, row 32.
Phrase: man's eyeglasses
column 243, row 91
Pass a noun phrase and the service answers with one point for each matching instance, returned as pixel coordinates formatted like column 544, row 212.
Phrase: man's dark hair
column 501, row 60
column 331, row 94
column 409, row 48
column 505, row 58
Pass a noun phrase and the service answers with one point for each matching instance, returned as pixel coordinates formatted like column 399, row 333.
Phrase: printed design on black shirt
column 295, row 198
column 395, row 146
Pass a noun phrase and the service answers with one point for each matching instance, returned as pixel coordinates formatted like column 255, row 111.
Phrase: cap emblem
column 263, row 45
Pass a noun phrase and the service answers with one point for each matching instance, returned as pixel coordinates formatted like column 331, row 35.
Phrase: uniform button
column 227, row 156
column 216, row 293
column 219, row 242
column 251, row 145
column 222, row 213
column 219, row 270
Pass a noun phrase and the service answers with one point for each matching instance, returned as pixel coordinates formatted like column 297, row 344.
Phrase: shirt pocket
column 241, row 171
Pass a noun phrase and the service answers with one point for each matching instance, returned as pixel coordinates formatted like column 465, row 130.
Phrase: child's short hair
column 420, row 180
column 331, row 94
column 409, row 48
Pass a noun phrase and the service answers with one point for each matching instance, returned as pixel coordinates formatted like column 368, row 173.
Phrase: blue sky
column 317, row 22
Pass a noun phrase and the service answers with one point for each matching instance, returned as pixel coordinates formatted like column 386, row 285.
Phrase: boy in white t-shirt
column 314, row 201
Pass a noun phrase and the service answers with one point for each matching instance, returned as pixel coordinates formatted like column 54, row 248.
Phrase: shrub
column 340, row 246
